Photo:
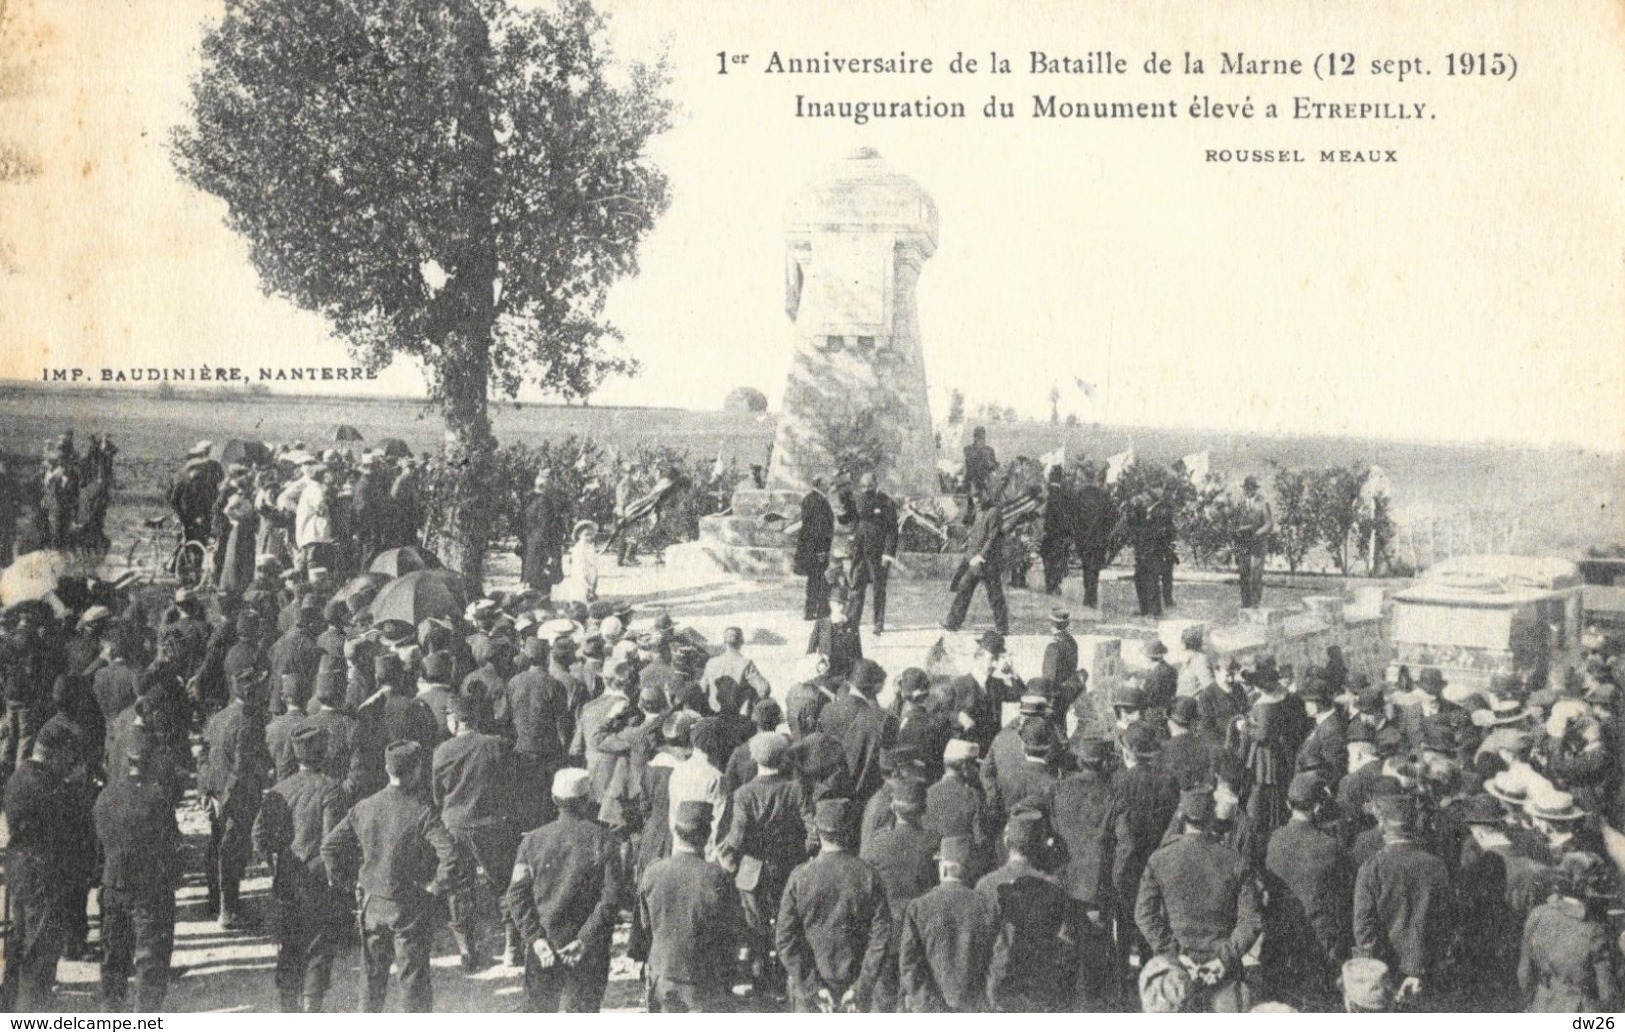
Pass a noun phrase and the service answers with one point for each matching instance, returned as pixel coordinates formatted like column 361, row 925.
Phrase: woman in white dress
column 580, row 582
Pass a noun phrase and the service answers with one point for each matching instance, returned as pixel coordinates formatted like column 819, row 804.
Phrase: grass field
column 1561, row 499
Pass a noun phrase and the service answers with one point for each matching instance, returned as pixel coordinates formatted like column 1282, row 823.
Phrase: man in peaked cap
column 1310, row 881
column 1035, row 961
column 472, row 780
column 232, row 773
column 834, row 924
column 1402, row 903
column 36, row 802
column 1144, row 798
column 407, row 859
column 905, row 857
column 1199, row 900
column 695, row 924
column 565, row 896
column 767, row 838
column 945, row 947
column 140, row 842
column 1060, row 664
column 294, row 818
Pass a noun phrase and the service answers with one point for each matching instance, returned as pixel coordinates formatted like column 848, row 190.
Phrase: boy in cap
column 565, row 896
column 309, row 917
column 695, row 925
column 1402, row 902
column 1199, row 904
column 834, row 924
column 407, row 860
column 945, row 947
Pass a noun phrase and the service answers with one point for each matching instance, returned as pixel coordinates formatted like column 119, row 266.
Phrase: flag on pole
column 1117, row 464
column 645, row 506
column 1052, row 459
column 1197, row 466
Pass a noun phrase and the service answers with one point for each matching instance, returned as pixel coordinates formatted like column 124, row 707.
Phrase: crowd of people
column 534, row 771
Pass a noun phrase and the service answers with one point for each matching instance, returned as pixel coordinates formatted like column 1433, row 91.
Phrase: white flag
column 1117, row 464
column 1196, row 466
column 1050, row 460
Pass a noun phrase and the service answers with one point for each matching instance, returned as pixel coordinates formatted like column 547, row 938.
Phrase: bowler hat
column 1308, row 787
column 913, row 683
column 991, row 642
column 693, row 815
column 1142, row 740
column 1185, row 711
column 1196, row 805
column 867, row 676
column 832, row 816
column 1156, row 649
column 1431, row 681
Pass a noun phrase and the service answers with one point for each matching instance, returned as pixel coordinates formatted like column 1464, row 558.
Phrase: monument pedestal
column 747, row 544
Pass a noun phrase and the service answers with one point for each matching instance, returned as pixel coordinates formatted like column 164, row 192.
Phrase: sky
column 1473, row 290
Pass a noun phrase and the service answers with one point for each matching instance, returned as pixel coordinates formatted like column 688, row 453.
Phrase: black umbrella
column 419, row 596
column 361, row 584
column 346, row 432
column 396, row 562
column 394, row 448
column 249, row 453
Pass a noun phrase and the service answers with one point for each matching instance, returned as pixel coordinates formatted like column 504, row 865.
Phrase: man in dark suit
column 407, row 859
column 695, row 926
column 565, row 897
column 1055, row 541
column 543, row 728
column 1309, row 882
column 815, row 533
column 981, row 463
column 1324, row 750
column 874, row 547
column 472, row 779
column 232, row 775
column 546, row 524
column 1161, row 682
column 922, row 728
column 956, row 808
column 862, row 728
column 945, row 948
column 1034, row 967
column 1190, row 754
column 905, row 857
column 295, row 817
column 140, row 842
column 1060, row 665
column 1402, row 903
column 40, row 849
column 834, row 925
column 1093, row 520
column 975, row 699
column 1199, row 900
column 1143, row 801
column 983, row 564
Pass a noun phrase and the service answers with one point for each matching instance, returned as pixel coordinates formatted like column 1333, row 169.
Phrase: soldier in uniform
column 1060, row 665
column 874, row 547
column 695, row 925
column 42, row 845
column 565, row 895
column 834, row 925
column 407, row 860
column 948, row 934
column 140, row 843
column 1309, row 882
column 1198, row 905
column 296, row 815
column 473, row 783
column 232, row 775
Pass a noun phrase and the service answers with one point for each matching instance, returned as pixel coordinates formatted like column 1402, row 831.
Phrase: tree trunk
column 470, row 449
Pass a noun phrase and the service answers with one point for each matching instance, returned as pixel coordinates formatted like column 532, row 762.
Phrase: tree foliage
column 745, row 399
column 1296, row 529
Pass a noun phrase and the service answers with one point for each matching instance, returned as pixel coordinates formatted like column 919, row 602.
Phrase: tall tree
column 459, row 181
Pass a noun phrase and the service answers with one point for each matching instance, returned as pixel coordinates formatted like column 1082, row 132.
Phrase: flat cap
column 692, row 815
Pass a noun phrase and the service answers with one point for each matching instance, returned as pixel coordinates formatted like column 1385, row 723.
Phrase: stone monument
column 856, row 238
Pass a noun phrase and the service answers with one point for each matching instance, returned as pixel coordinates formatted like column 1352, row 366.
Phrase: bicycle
column 184, row 562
